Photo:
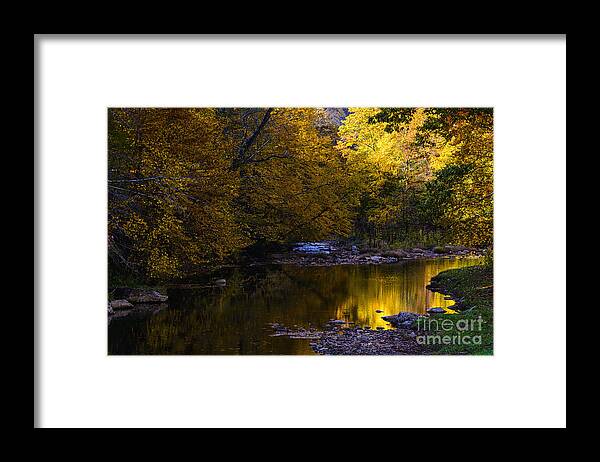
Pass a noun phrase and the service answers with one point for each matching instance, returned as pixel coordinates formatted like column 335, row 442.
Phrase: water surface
column 235, row 319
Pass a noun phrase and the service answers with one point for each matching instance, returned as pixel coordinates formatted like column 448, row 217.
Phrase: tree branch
column 247, row 144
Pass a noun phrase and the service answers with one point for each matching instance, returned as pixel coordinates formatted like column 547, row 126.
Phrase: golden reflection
column 391, row 293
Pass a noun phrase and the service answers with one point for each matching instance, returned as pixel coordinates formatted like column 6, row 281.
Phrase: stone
column 221, row 282
column 120, row 305
column 436, row 309
column 378, row 311
column 313, row 247
column 402, row 319
column 147, row 296
column 406, row 316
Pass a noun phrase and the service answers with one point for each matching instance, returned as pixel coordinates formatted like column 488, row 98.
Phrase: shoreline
column 472, row 288
column 338, row 256
column 344, row 255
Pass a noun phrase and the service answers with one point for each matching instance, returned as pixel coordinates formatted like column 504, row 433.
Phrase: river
column 235, row 319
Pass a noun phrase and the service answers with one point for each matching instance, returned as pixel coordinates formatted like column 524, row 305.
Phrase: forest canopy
column 190, row 188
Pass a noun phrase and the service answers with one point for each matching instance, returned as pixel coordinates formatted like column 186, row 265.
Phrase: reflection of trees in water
column 393, row 289
column 234, row 319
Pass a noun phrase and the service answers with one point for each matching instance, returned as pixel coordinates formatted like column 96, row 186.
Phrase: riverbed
column 236, row 318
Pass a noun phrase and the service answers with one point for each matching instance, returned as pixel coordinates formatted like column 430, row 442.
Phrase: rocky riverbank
column 331, row 253
column 125, row 301
column 338, row 337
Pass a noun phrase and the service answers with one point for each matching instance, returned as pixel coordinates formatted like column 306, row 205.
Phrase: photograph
column 300, row 230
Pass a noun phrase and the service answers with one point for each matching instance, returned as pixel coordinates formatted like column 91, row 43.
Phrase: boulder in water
column 146, row 296
column 116, row 305
column 436, row 310
column 313, row 247
column 402, row 319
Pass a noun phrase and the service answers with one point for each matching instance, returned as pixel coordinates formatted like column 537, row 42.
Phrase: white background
column 523, row 384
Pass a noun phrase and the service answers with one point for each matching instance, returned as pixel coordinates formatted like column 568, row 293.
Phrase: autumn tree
column 293, row 184
column 392, row 170
column 170, row 190
column 461, row 194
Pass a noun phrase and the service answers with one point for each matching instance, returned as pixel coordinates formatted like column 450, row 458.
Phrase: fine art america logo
column 467, row 331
